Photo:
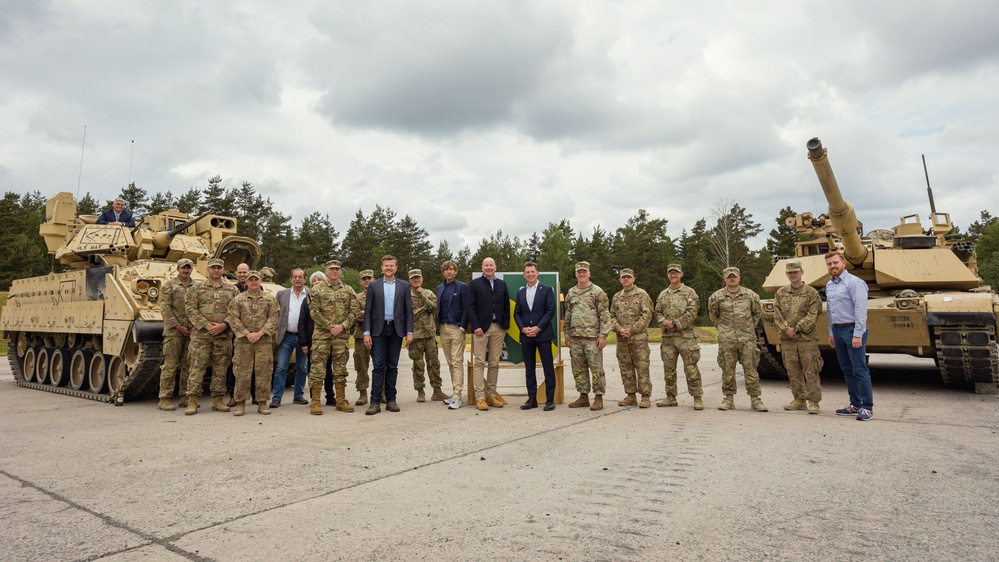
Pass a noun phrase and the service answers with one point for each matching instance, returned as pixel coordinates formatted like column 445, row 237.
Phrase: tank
column 95, row 330
column 925, row 296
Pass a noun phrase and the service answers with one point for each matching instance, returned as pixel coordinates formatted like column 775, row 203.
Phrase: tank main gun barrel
column 841, row 213
column 188, row 224
column 162, row 238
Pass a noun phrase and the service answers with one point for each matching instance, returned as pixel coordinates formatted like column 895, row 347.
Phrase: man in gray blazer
column 290, row 302
column 388, row 318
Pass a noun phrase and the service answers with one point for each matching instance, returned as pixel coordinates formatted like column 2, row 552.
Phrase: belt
column 844, row 325
column 389, row 322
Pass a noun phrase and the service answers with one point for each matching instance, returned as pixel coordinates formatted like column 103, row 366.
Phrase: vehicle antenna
column 82, row 149
column 130, row 153
column 929, row 190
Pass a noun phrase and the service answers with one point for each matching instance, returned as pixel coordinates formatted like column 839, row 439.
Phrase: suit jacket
column 461, row 293
column 107, row 217
column 374, row 308
column 484, row 302
column 542, row 314
column 305, row 325
column 284, row 297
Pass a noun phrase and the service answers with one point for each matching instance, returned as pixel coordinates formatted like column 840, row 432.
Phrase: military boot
column 342, row 405
column 758, row 404
column 240, row 408
column 646, row 401
column 262, row 408
column 218, row 405
column 698, row 403
column 438, row 396
column 795, row 404
column 363, row 398
column 667, row 402
column 166, row 405
column 728, row 403
column 813, row 407
column 628, row 401
column 420, row 395
column 598, row 403
column 581, row 402
column 182, row 403
column 315, row 407
column 192, row 405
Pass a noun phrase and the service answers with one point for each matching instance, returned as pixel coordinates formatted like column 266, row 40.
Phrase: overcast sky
column 472, row 116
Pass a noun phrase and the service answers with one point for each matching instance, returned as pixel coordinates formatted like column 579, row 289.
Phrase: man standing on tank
column 631, row 313
column 423, row 349
column 587, row 323
column 736, row 311
column 676, row 309
column 846, row 304
column 207, row 305
column 796, row 309
column 253, row 317
column 176, row 336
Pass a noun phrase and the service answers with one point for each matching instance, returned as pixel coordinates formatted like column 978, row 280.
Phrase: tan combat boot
column 182, row 403
column 192, row 405
column 598, row 403
column 728, row 403
column 646, row 401
column 166, row 405
column 795, row 405
column 813, row 407
column 263, row 408
column 240, row 408
column 667, row 402
column 342, row 405
column 698, row 403
column 438, row 396
column 581, row 402
column 363, row 398
column 218, row 405
column 420, row 396
column 758, row 404
column 629, row 401
column 316, row 407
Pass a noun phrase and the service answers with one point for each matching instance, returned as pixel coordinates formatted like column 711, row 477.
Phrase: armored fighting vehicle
column 925, row 296
column 95, row 331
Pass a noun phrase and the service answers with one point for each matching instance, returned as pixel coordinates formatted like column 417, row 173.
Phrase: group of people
column 212, row 323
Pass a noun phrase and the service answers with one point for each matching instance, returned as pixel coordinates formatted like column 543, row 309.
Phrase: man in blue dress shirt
column 846, row 300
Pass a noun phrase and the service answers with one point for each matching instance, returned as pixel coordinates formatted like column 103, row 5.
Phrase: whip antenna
column 79, row 180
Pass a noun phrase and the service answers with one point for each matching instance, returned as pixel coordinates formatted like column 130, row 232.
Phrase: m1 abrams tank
column 95, row 331
column 925, row 296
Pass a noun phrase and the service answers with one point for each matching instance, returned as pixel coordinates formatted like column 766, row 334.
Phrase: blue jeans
column 853, row 362
column 287, row 345
column 385, row 350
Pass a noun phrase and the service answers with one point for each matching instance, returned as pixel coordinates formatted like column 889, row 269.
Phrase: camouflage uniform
column 679, row 305
column 736, row 316
column 633, row 310
column 799, row 308
column 587, row 318
column 424, row 344
column 209, row 303
column 330, row 305
column 362, row 355
column 253, row 313
column 175, row 344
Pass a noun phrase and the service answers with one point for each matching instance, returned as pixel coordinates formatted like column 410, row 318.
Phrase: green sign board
column 512, row 352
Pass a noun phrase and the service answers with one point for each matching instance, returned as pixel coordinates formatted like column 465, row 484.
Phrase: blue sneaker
column 848, row 411
column 864, row 414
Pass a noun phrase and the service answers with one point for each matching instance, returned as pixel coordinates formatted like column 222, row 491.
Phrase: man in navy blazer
column 489, row 318
column 533, row 312
column 116, row 215
column 388, row 318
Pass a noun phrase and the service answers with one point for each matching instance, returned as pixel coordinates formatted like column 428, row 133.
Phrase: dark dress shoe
column 392, row 406
column 299, row 400
column 275, row 403
column 549, row 406
column 529, row 404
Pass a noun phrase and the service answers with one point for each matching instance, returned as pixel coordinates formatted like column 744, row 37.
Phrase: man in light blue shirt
column 846, row 310
column 388, row 319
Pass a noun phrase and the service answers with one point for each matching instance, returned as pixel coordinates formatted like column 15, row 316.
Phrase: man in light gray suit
column 290, row 302
column 388, row 318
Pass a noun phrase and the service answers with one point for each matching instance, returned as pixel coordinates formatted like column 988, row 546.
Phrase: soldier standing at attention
column 253, row 317
column 176, row 336
column 630, row 314
column 676, row 309
column 334, row 309
column 423, row 348
column 736, row 311
column 587, row 323
column 207, row 305
column 362, row 356
column 796, row 309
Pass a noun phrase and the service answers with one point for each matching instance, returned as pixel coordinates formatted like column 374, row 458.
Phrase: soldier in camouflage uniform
column 207, row 305
column 362, row 355
column 253, row 318
column 796, row 309
column 587, row 323
column 334, row 309
column 676, row 309
column 736, row 311
column 176, row 336
column 267, row 274
column 424, row 344
column 630, row 314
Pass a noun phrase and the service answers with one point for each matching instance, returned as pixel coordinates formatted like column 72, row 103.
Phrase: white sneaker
column 455, row 403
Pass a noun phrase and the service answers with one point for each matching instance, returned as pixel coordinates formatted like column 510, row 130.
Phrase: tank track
column 771, row 366
column 967, row 357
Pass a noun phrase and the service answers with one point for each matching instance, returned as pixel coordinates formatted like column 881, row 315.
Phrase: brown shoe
column 421, row 396
column 494, row 401
column 500, row 398
column 218, row 406
column 646, row 402
column 813, row 407
column 598, row 403
column 232, row 402
column 628, row 401
column 481, row 404
column 582, row 402
column 667, row 402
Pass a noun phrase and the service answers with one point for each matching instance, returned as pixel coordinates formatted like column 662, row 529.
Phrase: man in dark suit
column 533, row 312
column 388, row 318
column 116, row 215
column 489, row 318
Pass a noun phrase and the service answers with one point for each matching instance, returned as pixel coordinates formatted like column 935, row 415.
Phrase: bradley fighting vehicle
column 95, row 331
column 925, row 296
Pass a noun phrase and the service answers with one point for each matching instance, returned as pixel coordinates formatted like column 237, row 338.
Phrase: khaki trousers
column 453, row 342
column 492, row 341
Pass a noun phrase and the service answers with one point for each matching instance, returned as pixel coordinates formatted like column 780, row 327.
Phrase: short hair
column 316, row 275
column 388, row 257
column 530, row 264
column 448, row 264
column 299, row 269
column 834, row 254
column 116, row 199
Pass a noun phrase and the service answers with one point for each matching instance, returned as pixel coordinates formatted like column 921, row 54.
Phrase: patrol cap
column 216, row 262
column 333, row 264
column 792, row 266
column 415, row 273
column 674, row 267
column 184, row 262
column 627, row 272
column 583, row 265
column 367, row 273
column 730, row 271
column 253, row 273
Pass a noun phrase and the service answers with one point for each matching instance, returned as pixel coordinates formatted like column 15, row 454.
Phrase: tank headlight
column 769, row 306
column 903, row 304
column 153, row 293
column 142, row 286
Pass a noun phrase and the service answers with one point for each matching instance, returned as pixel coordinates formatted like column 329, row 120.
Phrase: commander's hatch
column 234, row 250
